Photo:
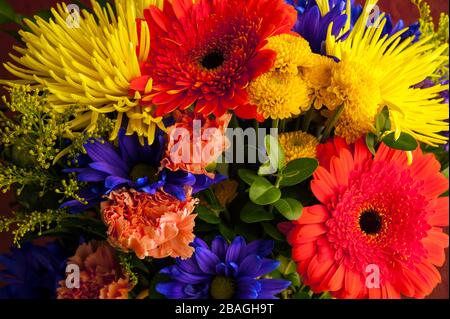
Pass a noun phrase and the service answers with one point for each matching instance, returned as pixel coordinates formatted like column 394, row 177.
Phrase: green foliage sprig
column 21, row 224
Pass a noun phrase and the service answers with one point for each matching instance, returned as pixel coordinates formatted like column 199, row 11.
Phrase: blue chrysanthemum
column 313, row 26
column 32, row 272
column 224, row 272
column 131, row 165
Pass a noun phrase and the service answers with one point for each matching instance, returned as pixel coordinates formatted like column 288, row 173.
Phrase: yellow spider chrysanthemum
column 298, row 144
column 282, row 92
column 90, row 61
column 376, row 71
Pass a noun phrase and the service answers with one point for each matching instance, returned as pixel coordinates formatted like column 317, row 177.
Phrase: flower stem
column 307, row 119
column 282, row 125
column 331, row 122
column 275, row 123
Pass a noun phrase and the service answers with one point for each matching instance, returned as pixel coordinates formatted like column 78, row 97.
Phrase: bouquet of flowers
column 226, row 149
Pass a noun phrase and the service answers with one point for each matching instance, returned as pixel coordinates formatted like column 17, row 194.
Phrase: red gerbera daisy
column 378, row 216
column 209, row 51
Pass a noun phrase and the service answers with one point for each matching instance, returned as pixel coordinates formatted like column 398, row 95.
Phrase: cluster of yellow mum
column 93, row 66
column 373, row 72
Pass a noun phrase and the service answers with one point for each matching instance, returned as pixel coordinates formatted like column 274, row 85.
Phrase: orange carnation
column 157, row 225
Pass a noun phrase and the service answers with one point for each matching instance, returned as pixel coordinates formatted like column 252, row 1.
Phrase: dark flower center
column 212, row 60
column 370, row 222
column 143, row 170
column 222, row 287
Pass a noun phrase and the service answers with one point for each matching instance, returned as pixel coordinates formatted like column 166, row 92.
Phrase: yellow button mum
column 279, row 95
column 298, row 144
column 90, row 63
column 282, row 92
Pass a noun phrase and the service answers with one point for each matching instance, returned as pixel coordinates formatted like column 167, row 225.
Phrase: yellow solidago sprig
column 282, row 92
column 90, row 61
column 21, row 224
column 376, row 71
column 297, row 145
column 439, row 34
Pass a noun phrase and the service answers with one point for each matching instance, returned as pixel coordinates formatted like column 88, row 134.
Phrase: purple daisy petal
column 206, row 260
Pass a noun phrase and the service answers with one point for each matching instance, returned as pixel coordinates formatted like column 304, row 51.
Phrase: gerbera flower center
column 370, row 222
column 143, row 170
column 212, row 60
column 222, row 287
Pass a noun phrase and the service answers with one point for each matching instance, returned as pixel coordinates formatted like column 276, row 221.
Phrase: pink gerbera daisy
column 377, row 232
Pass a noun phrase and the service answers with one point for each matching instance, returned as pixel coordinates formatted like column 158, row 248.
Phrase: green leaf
column 287, row 266
column 262, row 192
column 247, row 175
column 445, row 172
column 276, row 160
column 370, row 142
column 227, row 232
column 290, row 208
column 266, row 169
column 7, row 13
column 252, row 213
column 405, row 142
column 272, row 232
column 294, row 278
column 382, row 122
column 298, row 170
column 206, row 214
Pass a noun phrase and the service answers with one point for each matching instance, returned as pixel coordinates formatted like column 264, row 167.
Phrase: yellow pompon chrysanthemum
column 90, row 61
column 293, row 53
column 279, row 95
column 318, row 79
column 376, row 71
column 282, row 92
column 298, row 144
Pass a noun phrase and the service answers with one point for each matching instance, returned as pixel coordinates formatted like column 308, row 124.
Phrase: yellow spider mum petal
column 89, row 62
column 298, row 144
column 388, row 69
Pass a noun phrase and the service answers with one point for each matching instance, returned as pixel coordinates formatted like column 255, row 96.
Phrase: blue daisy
column 32, row 272
column 224, row 271
column 132, row 165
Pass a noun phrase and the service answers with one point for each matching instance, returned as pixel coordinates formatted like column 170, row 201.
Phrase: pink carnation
column 195, row 141
column 156, row 225
column 100, row 274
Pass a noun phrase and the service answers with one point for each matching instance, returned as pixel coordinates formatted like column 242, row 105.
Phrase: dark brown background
column 398, row 9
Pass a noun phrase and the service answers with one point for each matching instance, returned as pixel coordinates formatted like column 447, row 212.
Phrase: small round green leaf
column 290, row 208
column 405, row 142
column 247, row 175
column 272, row 231
column 206, row 214
column 252, row 213
column 298, row 170
column 262, row 192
